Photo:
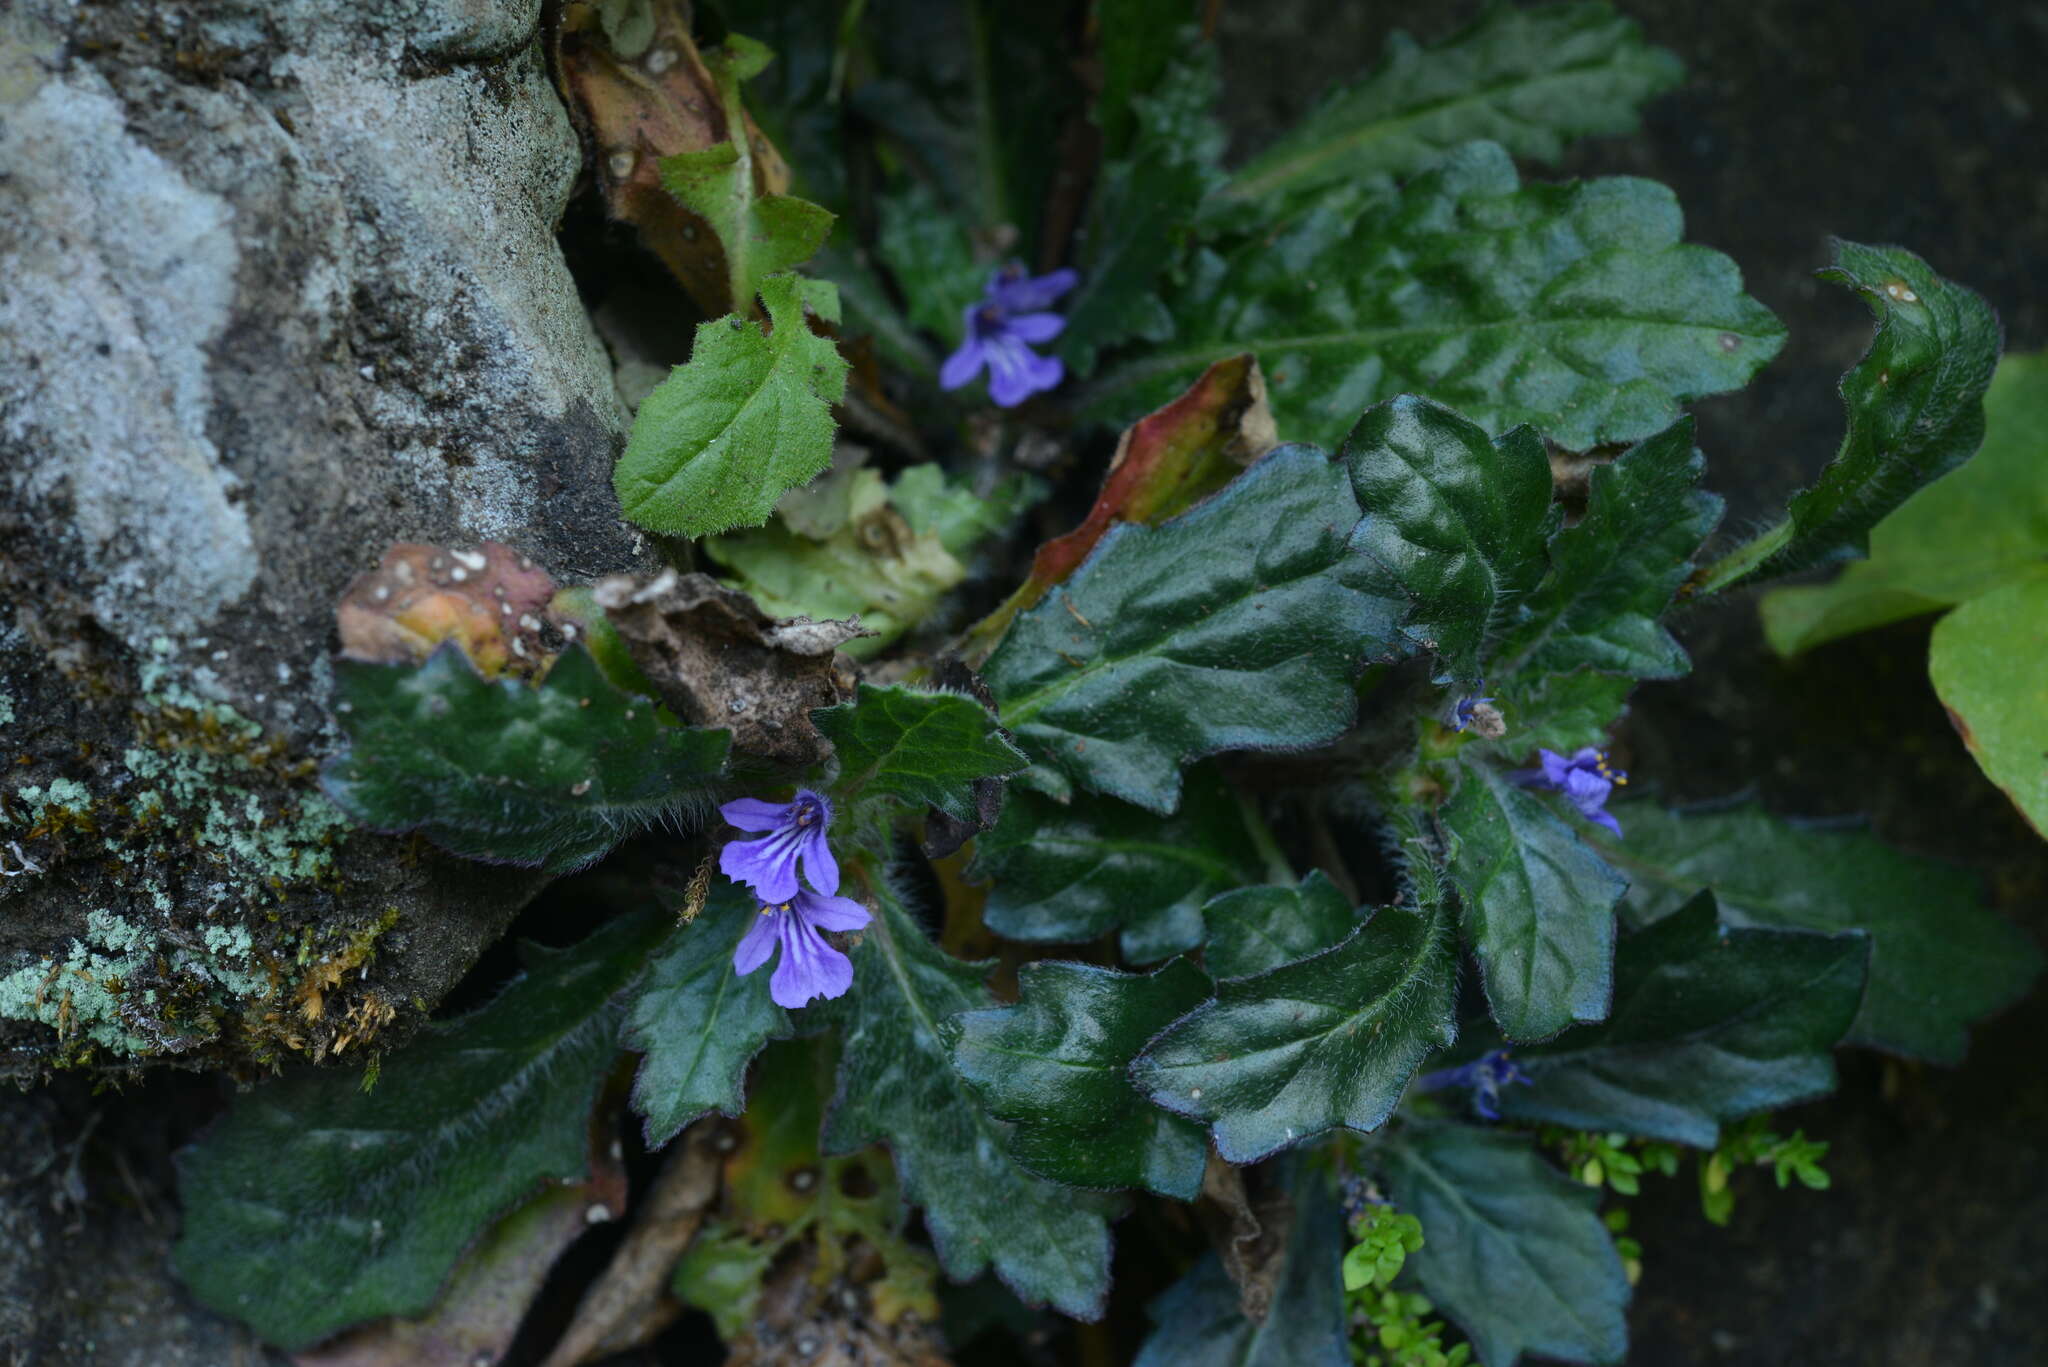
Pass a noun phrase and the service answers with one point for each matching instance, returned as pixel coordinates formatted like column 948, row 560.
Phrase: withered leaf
column 491, row 601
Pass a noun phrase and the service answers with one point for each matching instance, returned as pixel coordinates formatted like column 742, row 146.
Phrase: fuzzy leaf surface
column 897, row 1086
column 925, row 748
column 1456, row 521
column 313, row 1204
column 1327, row 1041
column 1614, row 572
column 1529, row 79
column 1077, row 871
column 1710, row 1023
column 1538, row 906
column 1170, row 643
column 1257, row 929
column 1939, row 958
column 1989, row 663
column 1574, row 308
column 1056, row 1065
column 549, row 775
column 759, row 234
column 696, row 1023
column 1512, row 1251
column 747, row 418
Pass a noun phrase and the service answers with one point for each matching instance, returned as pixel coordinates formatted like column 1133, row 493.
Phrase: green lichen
column 6, row 708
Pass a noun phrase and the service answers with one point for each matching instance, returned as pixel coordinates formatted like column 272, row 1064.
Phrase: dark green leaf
column 550, row 775
column 1326, row 1041
column 1915, row 407
column 1056, row 1066
column 314, row 1204
column 1538, row 906
column 1530, row 79
column 745, row 420
column 897, row 1086
column 1512, row 1249
column 1075, row 872
column 1172, row 642
column 1252, row 930
column 1989, row 664
column 1614, row 573
column 1456, row 521
column 1135, row 45
column 1201, row 1320
column 925, row 748
column 697, row 1022
column 1710, row 1023
column 1574, row 308
column 1560, row 712
column 1939, row 959
column 928, row 251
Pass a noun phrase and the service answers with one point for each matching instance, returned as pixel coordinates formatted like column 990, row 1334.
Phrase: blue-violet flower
column 1586, row 778
column 1001, row 330
column 1485, row 1076
column 796, row 830
column 810, row 967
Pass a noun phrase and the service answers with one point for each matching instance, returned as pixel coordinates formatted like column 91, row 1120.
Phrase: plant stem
column 1739, row 563
column 1278, row 870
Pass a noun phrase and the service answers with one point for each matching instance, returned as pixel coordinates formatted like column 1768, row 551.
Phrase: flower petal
column 767, row 865
column 1036, row 327
column 1555, row 767
column 963, row 365
column 1588, row 791
column 809, row 968
column 819, row 865
column 758, row 943
column 831, row 913
column 752, row 814
column 1015, row 372
column 1016, row 293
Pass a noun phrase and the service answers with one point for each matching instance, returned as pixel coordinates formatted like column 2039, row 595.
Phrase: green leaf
column 931, row 256
column 1143, row 211
column 1573, row 308
column 897, row 1086
column 1529, row 79
column 1615, row 572
column 1710, row 1023
column 549, row 775
column 1989, row 663
column 1512, row 1249
column 759, row 234
column 1915, row 411
column 1070, row 872
column 924, row 748
column 1538, row 906
column 697, row 1023
column 1171, row 642
column 748, row 417
column 1560, row 712
column 1327, row 1041
column 1939, row 958
column 1201, row 1320
column 1457, row 521
column 1972, row 530
column 1253, row 930
column 955, row 513
column 1055, row 1065
column 1135, row 46
column 313, row 1204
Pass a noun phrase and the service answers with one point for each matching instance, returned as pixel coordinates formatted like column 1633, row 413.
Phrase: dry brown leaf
column 491, row 601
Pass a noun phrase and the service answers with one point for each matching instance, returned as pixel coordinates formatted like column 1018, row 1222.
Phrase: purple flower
column 1485, row 1075
column 1002, row 329
column 810, row 967
column 1585, row 778
column 796, row 829
column 1461, row 711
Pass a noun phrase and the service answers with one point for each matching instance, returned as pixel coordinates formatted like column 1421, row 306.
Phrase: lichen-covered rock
column 278, row 288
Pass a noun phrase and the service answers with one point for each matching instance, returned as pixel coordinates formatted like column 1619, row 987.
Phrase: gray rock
column 278, row 287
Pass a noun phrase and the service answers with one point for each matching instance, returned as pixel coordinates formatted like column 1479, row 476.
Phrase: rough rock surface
column 278, row 287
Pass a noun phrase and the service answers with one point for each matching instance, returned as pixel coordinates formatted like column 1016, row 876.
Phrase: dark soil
column 1914, row 122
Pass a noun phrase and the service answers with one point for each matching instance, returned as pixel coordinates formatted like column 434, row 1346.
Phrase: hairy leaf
column 1456, row 522
column 1256, row 929
column 1614, row 573
column 931, row 257
column 925, row 748
column 1081, row 870
column 1710, row 1023
column 1327, row 1041
column 314, row 1204
column 1975, row 528
column 1538, row 906
column 1573, row 308
column 1939, row 959
column 1989, row 663
column 1171, row 642
column 697, row 1023
column 1055, row 1065
column 1512, row 1249
column 549, row 775
column 748, row 417
column 897, row 1086
column 759, row 234
column 1529, row 79
column 1560, row 712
